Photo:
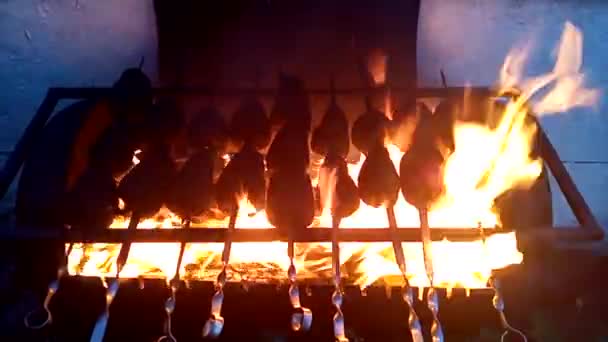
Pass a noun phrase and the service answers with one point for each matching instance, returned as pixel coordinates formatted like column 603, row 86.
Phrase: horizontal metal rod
column 267, row 235
column 92, row 92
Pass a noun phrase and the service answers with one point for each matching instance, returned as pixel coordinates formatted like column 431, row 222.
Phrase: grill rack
column 588, row 229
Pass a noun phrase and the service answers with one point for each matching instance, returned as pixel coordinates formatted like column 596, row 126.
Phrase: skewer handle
column 432, row 300
column 337, row 296
column 215, row 324
column 174, row 285
column 406, row 291
column 100, row 326
column 301, row 318
column 29, row 320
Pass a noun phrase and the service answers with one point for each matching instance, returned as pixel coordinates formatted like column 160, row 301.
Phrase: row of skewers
column 201, row 183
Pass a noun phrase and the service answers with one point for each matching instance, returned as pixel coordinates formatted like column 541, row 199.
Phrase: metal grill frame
column 588, row 229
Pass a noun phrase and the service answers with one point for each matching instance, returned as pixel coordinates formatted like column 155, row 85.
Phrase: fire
column 486, row 163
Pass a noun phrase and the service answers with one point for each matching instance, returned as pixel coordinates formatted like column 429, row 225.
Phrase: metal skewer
column 214, row 325
column 337, row 296
column 53, row 287
column 406, row 290
column 301, row 319
column 174, row 284
column 498, row 301
column 112, row 289
column 432, row 299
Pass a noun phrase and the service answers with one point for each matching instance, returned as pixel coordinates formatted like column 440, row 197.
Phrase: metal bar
column 27, row 141
column 199, row 235
column 94, row 92
column 575, row 200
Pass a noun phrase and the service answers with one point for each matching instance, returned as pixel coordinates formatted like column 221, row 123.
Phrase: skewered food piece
column 369, row 130
column 244, row 175
column 165, row 123
column 331, row 136
column 208, row 130
column 145, row 189
column 291, row 104
column 402, row 127
column 378, row 179
column 250, row 125
column 92, row 201
column 193, row 190
column 290, row 201
column 289, row 149
column 336, row 186
column 421, row 175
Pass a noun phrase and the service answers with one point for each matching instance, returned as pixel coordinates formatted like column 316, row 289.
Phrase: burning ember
column 485, row 162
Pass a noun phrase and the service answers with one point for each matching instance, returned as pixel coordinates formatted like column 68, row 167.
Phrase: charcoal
column 193, row 191
column 290, row 201
column 378, row 179
column 243, row 175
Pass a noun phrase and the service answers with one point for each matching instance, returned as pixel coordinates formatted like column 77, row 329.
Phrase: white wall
column 469, row 40
column 65, row 43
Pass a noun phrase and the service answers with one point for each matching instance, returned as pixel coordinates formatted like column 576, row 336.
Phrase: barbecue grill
column 131, row 299
column 118, row 307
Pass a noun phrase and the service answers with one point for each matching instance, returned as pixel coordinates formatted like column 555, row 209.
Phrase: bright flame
column 486, row 163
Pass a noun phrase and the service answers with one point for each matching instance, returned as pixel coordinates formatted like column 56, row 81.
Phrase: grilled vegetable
column 369, row 130
column 250, row 126
column 92, row 201
column 289, row 149
column 336, row 185
column 403, row 125
column 291, row 104
column 290, row 201
column 165, row 123
column 145, row 189
column 421, row 175
column 193, row 190
column 244, row 175
column 208, row 130
column 378, row 179
column 331, row 136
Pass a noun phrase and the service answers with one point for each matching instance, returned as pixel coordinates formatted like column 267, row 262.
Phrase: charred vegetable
column 244, row 175
column 250, row 125
column 290, row 201
column 369, row 130
column 145, row 189
column 336, row 185
column 378, row 179
column 421, row 175
column 291, row 104
column 92, row 201
column 289, row 149
column 208, row 130
column 331, row 136
column 403, row 125
column 193, row 190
